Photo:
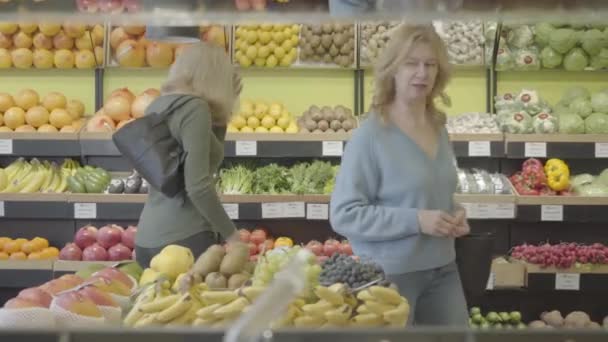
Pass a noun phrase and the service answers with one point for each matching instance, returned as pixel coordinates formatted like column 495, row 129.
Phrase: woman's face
column 415, row 79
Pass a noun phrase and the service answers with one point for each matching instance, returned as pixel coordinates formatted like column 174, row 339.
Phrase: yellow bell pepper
column 283, row 242
column 558, row 174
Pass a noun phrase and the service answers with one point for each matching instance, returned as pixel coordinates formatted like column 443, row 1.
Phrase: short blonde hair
column 206, row 71
column 402, row 41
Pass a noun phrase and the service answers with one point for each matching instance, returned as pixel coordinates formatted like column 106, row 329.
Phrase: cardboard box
column 508, row 275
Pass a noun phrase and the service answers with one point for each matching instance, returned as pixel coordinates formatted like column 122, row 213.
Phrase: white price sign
column 491, row 281
column 553, row 213
column 601, row 150
column 504, row 211
column 246, row 148
column 535, row 150
column 294, row 209
column 489, row 210
column 232, row 209
column 479, row 149
column 333, row 148
column 568, row 281
column 2, row 214
column 6, row 146
column 317, row 211
column 272, row 210
column 85, row 210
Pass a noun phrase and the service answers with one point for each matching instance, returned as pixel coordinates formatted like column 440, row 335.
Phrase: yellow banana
column 362, row 309
column 378, row 308
column 177, row 309
column 3, row 180
column 159, row 304
column 339, row 316
column 12, row 169
column 252, row 292
column 206, row 313
column 317, row 309
column 136, row 314
column 385, row 294
column 233, row 309
column 35, row 182
column 368, row 320
column 335, row 298
column 21, row 179
column 309, row 321
column 365, row 295
column 218, row 297
column 48, row 180
column 199, row 322
column 397, row 315
column 299, row 302
column 188, row 317
column 146, row 321
column 63, row 184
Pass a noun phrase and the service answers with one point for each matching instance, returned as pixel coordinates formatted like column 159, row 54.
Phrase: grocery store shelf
column 34, row 206
column 579, row 146
column 26, row 273
column 486, row 207
column 304, row 145
column 106, row 198
column 274, row 198
column 39, row 144
column 562, row 200
column 98, row 144
column 478, row 145
column 562, row 209
column 61, row 267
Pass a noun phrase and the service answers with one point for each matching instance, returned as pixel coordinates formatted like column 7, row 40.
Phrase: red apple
column 98, row 296
column 85, row 237
column 258, row 236
column 346, row 248
column 330, row 249
column 95, row 253
column 315, row 247
column 20, row 303
column 128, row 236
column 119, row 252
column 253, row 248
column 244, row 235
column 71, row 251
column 115, row 274
column 108, row 236
column 36, row 295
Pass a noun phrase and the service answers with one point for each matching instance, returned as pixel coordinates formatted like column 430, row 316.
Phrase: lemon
column 244, row 61
column 286, row 61
column 295, row 28
column 276, row 129
column 279, row 53
column 283, row 122
column 252, row 36
column 265, row 37
column 231, row 128
column 246, row 129
column 238, row 54
column 268, row 121
column 292, row 128
column 253, row 122
column 260, row 62
column 263, row 52
column 278, row 27
column 240, row 32
column 278, row 37
column 247, row 107
column 260, row 109
column 261, row 129
column 272, row 61
column 295, row 40
column 287, row 45
column 272, row 46
column 252, row 52
column 275, row 110
column 266, row 27
column 239, row 122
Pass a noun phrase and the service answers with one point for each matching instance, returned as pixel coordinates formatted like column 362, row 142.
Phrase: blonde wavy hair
column 205, row 70
column 402, row 41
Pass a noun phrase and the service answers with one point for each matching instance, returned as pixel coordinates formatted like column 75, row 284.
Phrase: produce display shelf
column 26, row 273
column 98, row 144
column 487, row 207
column 39, row 145
column 570, row 146
column 34, row 206
column 285, row 145
column 478, row 145
column 579, row 282
column 562, row 209
column 61, row 267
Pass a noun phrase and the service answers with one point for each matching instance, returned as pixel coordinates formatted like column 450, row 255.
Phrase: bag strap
column 175, row 105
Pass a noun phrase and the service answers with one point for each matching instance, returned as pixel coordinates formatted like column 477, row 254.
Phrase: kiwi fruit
column 333, row 51
column 310, row 125
column 304, row 130
column 340, row 113
column 316, row 58
column 339, row 39
column 345, row 49
column 327, row 28
column 316, row 116
column 326, row 41
column 316, row 30
column 348, row 124
column 335, row 125
column 320, row 50
column 341, row 130
column 314, row 108
column 327, row 112
column 323, row 125
column 329, row 130
column 315, row 41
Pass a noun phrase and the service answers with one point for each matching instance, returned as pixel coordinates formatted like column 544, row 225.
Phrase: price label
column 568, row 281
column 535, row 150
column 553, row 213
column 6, row 146
column 479, row 149
column 246, row 148
column 272, row 210
column 504, row 211
column 333, row 148
column 491, row 281
column 2, row 209
column 232, row 209
column 601, row 150
column 294, row 209
column 317, row 211
column 85, row 210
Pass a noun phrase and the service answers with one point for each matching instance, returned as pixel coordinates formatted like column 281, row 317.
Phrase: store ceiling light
column 173, row 34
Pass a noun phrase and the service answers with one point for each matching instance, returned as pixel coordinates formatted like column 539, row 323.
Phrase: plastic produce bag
column 545, row 123
column 527, row 59
column 29, row 318
column 520, row 37
column 517, row 123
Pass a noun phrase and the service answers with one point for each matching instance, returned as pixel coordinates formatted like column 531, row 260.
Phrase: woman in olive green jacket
column 195, row 218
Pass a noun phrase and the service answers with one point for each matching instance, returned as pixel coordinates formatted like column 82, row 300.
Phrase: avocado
column 145, row 187
column 116, row 186
column 132, row 184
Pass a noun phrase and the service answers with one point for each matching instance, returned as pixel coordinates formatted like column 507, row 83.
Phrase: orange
column 34, row 256
column 41, row 243
column 3, row 241
column 49, row 253
column 14, row 246
column 3, row 256
column 28, row 247
column 18, row 256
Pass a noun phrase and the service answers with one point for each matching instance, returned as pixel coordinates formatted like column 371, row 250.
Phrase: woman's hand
column 437, row 223
column 462, row 225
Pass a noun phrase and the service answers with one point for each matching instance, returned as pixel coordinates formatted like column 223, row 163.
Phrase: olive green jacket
column 165, row 220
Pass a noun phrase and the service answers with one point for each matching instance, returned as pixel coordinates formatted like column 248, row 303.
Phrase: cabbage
column 543, row 32
column 545, row 123
column 594, row 41
column 504, row 59
column 571, row 124
column 582, row 179
column 550, row 58
column 576, row 60
column 527, row 59
column 573, row 93
column 592, row 190
column 600, row 61
column 517, row 123
column 561, row 109
column 602, row 178
column 599, row 102
column 596, row 123
column 563, row 40
column 581, row 106
column 520, row 37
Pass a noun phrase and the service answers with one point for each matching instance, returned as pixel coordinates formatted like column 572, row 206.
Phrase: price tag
column 246, row 148
column 333, row 148
column 479, row 149
column 504, row 211
column 491, row 281
column 294, row 209
column 568, row 281
column 601, row 150
column 6, row 146
column 535, row 150
column 232, row 209
column 2, row 209
column 552, row 213
column 85, row 210
column 273, row 210
column 317, row 211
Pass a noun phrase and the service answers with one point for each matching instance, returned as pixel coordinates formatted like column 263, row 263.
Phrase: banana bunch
column 158, row 306
column 381, row 306
column 223, row 307
column 333, row 309
column 22, row 176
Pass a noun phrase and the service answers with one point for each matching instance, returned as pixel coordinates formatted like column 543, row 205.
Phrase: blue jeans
column 435, row 296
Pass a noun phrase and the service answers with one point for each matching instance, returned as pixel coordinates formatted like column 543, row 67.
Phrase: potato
column 335, row 125
column 326, row 41
column 216, row 281
column 323, row 125
column 310, row 125
column 553, row 318
column 209, row 261
column 235, row 259
column 237, row 280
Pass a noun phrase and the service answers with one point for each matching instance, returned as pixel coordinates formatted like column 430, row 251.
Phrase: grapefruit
column 85, row 59
column 14, row 117
column 37, row 116
column 6, row 102
column 54, row 100
column 64, row 59
column 6, row 61
column 74, row 30
column 59, row 118
column 28, row 28
column 85, row 42
column 131, row 54
column 75, row 108
column 159, row 55
column 27, row 98
column 25, row 128
column 46, row 128
column 43, row 59
column 22, row 58
column 118, row 36
column 49, row 30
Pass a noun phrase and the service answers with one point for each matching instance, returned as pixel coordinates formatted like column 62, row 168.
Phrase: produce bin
column 474, row 260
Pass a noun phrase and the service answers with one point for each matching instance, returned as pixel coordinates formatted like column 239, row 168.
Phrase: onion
column 62, row 41
column 142, row 101
column 70, row 252
column 118, row 108
column 159, row 55
column 131, row 54
column 6, row 41
column 42, row 42
column 119, row 252
column 95, row 253
column 6, row 102
column 124, row 92
column 135, row 30
column 118, row 36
